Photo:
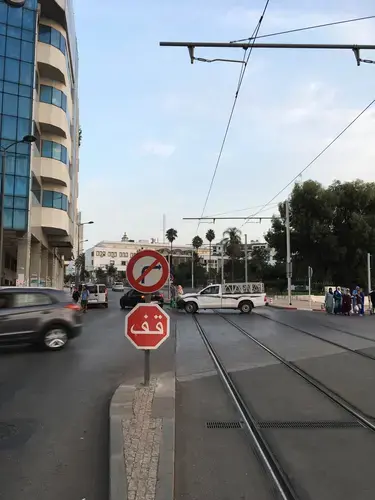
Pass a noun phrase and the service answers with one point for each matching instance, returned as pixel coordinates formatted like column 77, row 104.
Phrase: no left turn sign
column 147, row 271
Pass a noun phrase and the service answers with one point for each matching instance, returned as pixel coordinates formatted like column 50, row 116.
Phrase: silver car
column 44, row 316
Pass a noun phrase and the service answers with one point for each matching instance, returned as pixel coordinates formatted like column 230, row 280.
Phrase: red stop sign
column 147, row 326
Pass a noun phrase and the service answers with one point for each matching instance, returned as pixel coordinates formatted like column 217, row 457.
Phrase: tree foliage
column 232, row 245
column 332, row 230
column 197, row 242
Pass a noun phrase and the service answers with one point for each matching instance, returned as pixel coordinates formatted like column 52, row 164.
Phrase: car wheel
column 55, row 338
column 106, row 305
column 246, row 307
column 191, row 307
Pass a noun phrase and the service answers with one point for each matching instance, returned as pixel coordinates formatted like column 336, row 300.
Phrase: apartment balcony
column 51, row 171
column 51, row 63
column 52, row 120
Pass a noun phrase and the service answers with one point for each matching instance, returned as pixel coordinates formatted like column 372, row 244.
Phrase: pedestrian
column 347, row 303
column 173, row 295
column 180, row 291
column 84, row 298
column 372, row 297
column 75, row 295
column 360, row 301
column 328, row 301
column 337, row 297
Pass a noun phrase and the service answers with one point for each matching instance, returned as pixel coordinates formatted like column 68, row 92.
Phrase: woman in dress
column 347, row 303
column 328, row 302
column 337, row 297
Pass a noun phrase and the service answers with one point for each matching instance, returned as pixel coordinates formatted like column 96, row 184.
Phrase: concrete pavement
column 54, row 410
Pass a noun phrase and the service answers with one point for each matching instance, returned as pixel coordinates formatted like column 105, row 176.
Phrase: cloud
column 158, row 148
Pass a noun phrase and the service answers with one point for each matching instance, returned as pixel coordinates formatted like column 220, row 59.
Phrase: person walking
column 372, row 297
column 75, row 295
column 337, row 297
column 328, row 301
column 84, row 298
column 347, row 303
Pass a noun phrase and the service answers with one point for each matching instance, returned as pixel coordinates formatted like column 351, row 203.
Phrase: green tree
column 100, row 275
column 259, row 263
column 332, row 229
column 80, row 266
column 197, row 242
column 232, row 245
column 210, row 236
column 171, row 235
column 111, row 271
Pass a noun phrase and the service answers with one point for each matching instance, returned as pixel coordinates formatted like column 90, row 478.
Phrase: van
column 98, row 294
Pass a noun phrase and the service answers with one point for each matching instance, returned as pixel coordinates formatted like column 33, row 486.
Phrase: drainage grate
column 223, row 425
column 322, row 424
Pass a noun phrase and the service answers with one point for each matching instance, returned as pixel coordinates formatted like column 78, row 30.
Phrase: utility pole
column 369, row 280
column 288, row 259
column 222, row 264
column 246, row 259
column 192, row 268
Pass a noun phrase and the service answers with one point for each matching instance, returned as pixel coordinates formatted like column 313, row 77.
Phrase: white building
column 118, row 253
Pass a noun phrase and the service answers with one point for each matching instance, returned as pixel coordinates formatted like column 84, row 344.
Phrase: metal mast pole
column 288, row 259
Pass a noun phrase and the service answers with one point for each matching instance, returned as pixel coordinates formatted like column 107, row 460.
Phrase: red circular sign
column 147, row 326
column 147, row 271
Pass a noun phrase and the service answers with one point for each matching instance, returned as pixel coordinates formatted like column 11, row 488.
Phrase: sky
column 153, row 123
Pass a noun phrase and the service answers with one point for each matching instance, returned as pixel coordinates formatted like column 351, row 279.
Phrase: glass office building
column 39, row 97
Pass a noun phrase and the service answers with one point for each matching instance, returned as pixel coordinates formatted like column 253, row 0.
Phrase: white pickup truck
column 242, row 296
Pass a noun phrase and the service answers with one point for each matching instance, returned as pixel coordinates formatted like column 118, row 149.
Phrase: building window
column 123, row 262
column 50, row 95
column 50, row 35
column 54, row 199
column 55, row 150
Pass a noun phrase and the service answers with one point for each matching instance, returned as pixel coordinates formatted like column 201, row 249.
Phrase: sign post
column 310, row 273
column 147, row 325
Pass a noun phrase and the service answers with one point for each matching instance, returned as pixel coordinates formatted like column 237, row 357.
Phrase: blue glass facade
column 17, row 69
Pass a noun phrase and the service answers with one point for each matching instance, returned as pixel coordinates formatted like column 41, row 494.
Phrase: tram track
column 327, row 341
column 272, row 466
column 353, row 410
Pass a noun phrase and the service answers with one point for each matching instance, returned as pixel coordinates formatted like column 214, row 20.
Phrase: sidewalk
column 142, row 440
column 300, row 305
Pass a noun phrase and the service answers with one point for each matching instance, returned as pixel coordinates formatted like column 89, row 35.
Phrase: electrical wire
column 312, row 161
column 334, row 23
column 240, row 80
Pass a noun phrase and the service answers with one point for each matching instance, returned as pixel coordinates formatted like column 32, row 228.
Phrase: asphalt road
column 54, row 410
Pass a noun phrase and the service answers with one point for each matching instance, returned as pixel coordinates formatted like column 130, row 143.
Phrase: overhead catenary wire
column 237, row 210
column 246, row 58
column 312, row 161
column 316, row 26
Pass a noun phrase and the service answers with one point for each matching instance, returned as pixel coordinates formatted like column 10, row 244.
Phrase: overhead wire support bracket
column 214, row 219
column 228, row 45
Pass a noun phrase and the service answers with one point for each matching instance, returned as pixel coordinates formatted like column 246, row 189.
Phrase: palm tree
column 196, row 242
column 80, row 265
column 171, row 235
column 210, row 236
column 232, row 244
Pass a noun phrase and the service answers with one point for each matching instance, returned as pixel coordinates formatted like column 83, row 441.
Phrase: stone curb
column 121, row 408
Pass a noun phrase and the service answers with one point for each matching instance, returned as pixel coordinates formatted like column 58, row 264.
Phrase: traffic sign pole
column 147, row 359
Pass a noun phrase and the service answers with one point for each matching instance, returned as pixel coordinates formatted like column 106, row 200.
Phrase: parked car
column 132, row 297
column 43, row 316
column 98, row 294
column 118, row 286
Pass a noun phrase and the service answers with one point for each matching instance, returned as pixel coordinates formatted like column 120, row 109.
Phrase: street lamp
column 78, row 248
column 28, row 139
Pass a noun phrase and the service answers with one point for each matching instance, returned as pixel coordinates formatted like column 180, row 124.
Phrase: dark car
column 132, row 297
column 44, row 316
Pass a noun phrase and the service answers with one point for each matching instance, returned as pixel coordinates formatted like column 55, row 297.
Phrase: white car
column 118, row 287
column 242, row 296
